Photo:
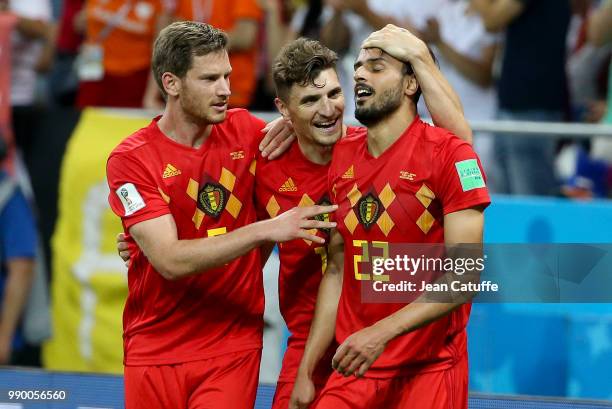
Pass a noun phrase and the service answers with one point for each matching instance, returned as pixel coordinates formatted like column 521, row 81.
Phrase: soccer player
column 183, row 187
column 398, row 181
column 309, row 95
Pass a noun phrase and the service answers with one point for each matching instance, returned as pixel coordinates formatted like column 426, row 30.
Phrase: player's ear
column 411, row 85
column 172, row 84
column 282, row 107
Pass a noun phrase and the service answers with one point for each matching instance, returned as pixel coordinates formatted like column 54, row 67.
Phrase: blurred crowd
column 545, row 60
column 525, row 60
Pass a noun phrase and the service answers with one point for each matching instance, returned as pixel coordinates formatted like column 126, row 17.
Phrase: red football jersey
column 281, row 184
column 401, row 197
column 209, row 191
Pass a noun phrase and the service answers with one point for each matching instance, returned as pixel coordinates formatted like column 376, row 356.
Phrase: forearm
column 478, row 72
column 463, row 239
column 335, row 34
column 323, row 325
column 188, row 257
column 16, row 291
column 414, row 316
column 440, row 98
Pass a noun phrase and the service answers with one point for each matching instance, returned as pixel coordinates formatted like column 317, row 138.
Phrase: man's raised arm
column 441, row 99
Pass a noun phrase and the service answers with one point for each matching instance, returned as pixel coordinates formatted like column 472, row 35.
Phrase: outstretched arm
column 174, row 258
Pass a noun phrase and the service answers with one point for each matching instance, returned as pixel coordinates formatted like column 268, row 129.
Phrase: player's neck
column 320, row 155
column 183, row 128
column 383, row 134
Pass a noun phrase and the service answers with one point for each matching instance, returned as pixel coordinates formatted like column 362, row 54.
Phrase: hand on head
column 397, row 42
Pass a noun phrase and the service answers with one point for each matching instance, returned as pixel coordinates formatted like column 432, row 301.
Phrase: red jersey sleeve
column 254, row 126
column 134, row 195
column 460, row 179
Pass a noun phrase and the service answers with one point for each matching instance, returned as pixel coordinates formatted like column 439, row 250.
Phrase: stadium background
column 516, row 350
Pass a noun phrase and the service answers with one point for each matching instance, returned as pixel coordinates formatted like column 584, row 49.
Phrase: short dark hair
column 408, row 70
column 178, row 43
column 300, row 62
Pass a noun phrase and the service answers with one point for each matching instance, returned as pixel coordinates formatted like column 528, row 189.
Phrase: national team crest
column 212, row 199
column 368, row 210
column 325, row 216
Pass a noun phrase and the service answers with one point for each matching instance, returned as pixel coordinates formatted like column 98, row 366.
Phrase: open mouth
column 363, row 91
column 327, row 126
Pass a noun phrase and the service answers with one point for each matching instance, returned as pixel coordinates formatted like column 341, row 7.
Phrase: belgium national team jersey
column 281, row 184
column 208, row 191
column 401, row 197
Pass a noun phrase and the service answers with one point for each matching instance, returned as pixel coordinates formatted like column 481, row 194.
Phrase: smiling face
column 381, row 86
column 315, row 109
column 205, row 89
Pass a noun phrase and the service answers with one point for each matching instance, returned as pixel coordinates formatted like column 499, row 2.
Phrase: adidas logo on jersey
column 170, row 171
column 288, row 186
column 349, row 174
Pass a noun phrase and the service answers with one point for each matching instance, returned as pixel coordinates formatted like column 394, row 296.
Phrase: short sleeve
column 18, row 233
column 247, row 9
column 134, row 195
column 256, row 125
column 459, row 178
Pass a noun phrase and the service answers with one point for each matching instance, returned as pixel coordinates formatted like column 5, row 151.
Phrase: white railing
column 522, row 128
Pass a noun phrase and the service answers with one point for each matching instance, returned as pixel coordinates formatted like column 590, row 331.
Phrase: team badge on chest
column 368, row 210
column 325, row 216
column 212, row 199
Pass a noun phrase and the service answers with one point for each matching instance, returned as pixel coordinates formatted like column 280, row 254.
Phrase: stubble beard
column 388, row 102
